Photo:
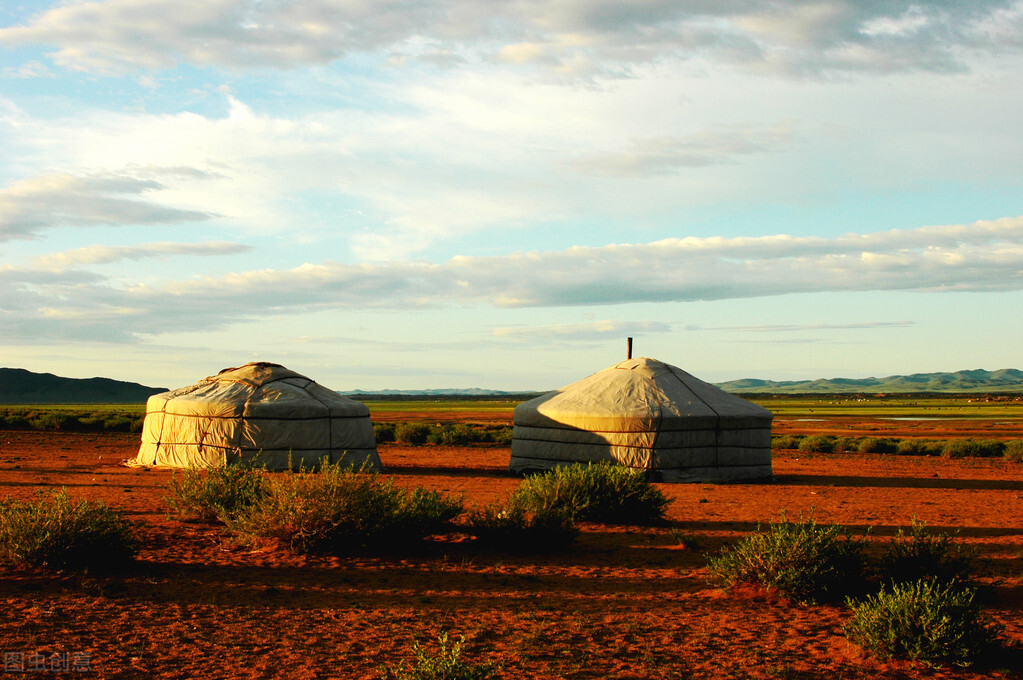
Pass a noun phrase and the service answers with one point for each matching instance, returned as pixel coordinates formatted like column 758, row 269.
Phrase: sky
column 414, row 194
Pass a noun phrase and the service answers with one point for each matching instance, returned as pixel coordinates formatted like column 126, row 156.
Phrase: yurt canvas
column 649, row 416
column 260, row 412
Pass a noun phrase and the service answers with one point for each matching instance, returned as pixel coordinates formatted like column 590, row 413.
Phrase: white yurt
column 261, row 413
column 650, row 416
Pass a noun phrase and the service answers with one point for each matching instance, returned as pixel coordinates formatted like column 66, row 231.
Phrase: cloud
column 109, row 254
column 982, row 257
column 590, row 330
column 578, row 38
column 666, row 155
column 31, row 206
column 786, row 328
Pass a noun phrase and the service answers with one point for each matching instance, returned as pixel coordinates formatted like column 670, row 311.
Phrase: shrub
column 59, row 532
column 1014, row 451
column 215, row 493
column 339, row 510
column 447, row 664
column 412, row 433
column 786, row 441
column 972, row 448
column 923, row 555
column 806, row 561
column 924, row 620
column 918, row 447
column 600, row 492
column 878, row 445
column 511, row 526
column 846, row 445
column 453, row 435
column 818, row 443
column 383, row 432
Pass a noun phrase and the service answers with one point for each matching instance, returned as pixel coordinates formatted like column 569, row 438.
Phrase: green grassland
column 128, row 417
column 1008, row 407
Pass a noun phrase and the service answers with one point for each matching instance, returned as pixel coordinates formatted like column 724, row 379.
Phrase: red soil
column 625, row 602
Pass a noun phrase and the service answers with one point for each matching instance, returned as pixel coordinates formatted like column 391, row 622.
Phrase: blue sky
column 453, row 193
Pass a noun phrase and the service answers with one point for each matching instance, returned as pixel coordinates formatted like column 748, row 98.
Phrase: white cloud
column 576, row 37
column 101, row 198
column 587, row 330
column 110, row 254
column 984, row 256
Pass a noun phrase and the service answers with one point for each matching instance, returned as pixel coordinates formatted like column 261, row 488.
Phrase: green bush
column 59, row 532
column 922, row 555
column 447, row 664
column 926, row 621
column 1014, row 451
column 806, row 561
column 878, row 445
column 338, row 510
column 383, row 432
column 786, row 441
column 512, row 527
column 972, row 448
column 214, row 493
column 453, row 435
column 919, row 447
column 818, row 443
column 846, row 445
column 600, row 492
column 412, row 433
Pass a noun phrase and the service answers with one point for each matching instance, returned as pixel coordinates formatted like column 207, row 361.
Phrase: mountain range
column 18, row 386
column 978, row 380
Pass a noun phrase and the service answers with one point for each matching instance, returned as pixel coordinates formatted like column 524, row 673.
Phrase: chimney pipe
column 629, row 352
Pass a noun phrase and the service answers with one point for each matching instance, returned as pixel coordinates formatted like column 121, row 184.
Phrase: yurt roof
column 639, row 394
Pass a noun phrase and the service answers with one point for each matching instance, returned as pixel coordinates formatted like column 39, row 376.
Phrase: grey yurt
column 650, row 416
column 260, row 412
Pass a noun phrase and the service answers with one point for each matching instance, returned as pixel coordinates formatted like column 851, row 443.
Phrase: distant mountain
column 18, row 386
column 1004, row 380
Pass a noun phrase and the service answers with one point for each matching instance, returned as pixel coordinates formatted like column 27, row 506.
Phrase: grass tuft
column 445, row 664
column 59, row 532
column 339, row 510
column 923, row 555
column 601, row 492
column 214, row 493
column 927, row 621
column 805, row 561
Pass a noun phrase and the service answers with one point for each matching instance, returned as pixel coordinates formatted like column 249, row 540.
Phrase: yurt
column 650, row 416
column 261, row 413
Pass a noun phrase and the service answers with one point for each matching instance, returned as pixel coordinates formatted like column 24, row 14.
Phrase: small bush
column 339, row 510
column 806, row 561
column 447, row 664
column 846, row 445
column 214, row 493
column 601, row 492
column 412, row 433
column 383, row 432
column 972, row 448
column 786, row 441
column 878, row 445
column 818, row 443
column 453, row 435
column 512, row 527
column 1014, row 451
column 59, row 532
column 922, row 555
column 919, row 447
column 924, row 620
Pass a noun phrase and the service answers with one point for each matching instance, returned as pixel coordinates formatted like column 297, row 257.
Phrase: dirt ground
column 625, row 602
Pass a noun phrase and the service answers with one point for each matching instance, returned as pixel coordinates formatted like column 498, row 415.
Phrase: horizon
column 444, row 192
